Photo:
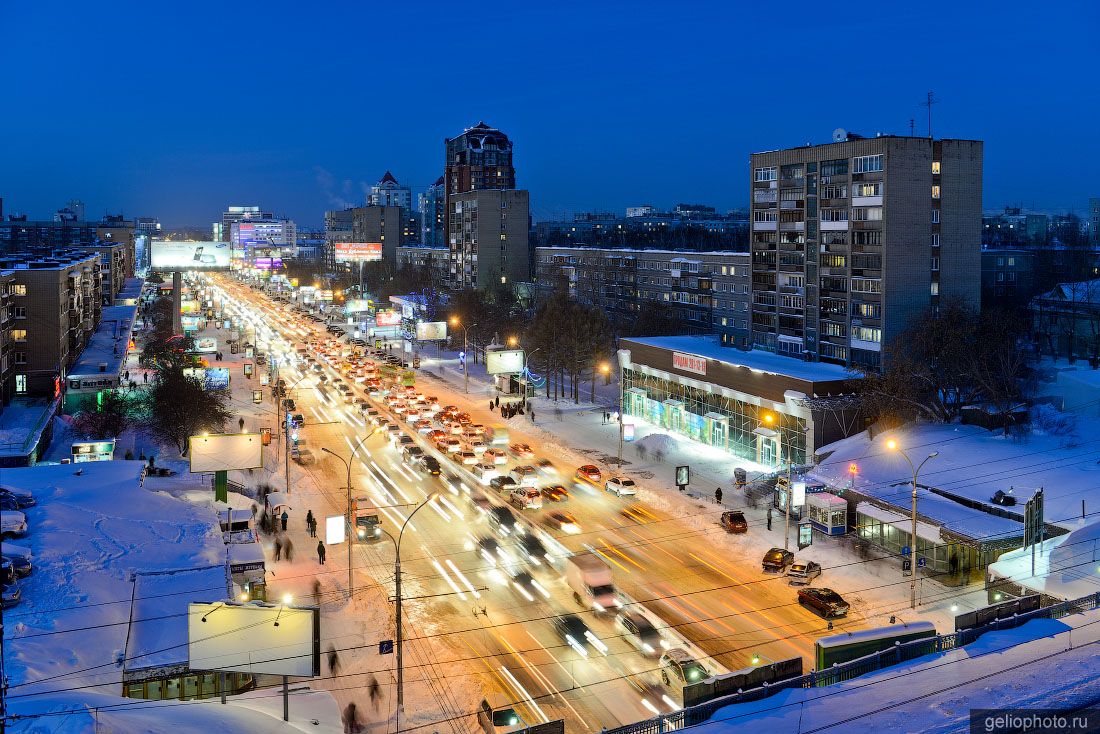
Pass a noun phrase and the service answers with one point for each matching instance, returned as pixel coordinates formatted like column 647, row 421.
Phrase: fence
column 694, row 715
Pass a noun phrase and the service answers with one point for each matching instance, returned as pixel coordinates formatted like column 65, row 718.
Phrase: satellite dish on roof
column 840, row 135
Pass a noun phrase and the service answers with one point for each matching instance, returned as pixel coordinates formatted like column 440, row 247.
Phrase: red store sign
column 689, row 363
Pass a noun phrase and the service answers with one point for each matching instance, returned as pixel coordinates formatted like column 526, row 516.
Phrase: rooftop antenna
column 912, row 132
column 930, row 100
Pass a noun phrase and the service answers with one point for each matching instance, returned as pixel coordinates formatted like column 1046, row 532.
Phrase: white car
column 526, row 498
column 621, row 486
column 525, row 476
column 467, row 458
column 496, row 456
column 12, row 522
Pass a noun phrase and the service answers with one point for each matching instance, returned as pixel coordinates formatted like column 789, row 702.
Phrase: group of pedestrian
column 311, row 524
column 284, row 546
column 512, row 409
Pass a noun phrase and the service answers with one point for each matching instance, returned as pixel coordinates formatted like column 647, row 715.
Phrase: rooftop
column 687, row 254
column 756, row 360
column 107, row 346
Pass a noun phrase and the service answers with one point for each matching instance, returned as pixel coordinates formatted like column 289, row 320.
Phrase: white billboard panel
column 258, row 638
column 427, row 331
column 189, row 255
column 504, row 361
column 223, row 451
column 334, row 529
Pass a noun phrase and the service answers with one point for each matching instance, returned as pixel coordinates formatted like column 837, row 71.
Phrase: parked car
column 636, row 628
column 621, row 486
column 590, row 473
column 802, row 573
column 679, row 668
column 825, row 602
column 22, row 498
column 12, row 522
column 776, row 560
column 467, row 458
column 734, row 522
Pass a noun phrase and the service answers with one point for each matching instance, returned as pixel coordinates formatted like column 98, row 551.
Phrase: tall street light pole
column 893, row 446
column 465, row 350
column 286, row 431
column 350, row 519
column 397, row 584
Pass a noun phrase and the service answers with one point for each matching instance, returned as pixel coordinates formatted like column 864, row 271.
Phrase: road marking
column 622, row 555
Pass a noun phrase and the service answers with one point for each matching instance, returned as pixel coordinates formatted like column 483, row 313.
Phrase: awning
column 765, row 432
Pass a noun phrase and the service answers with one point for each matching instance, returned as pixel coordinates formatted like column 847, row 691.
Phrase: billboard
column 254, row 638
column 93, row 451
column 387, row 318
column 504, row 361
column 357, row 252
column 205, row 345
column 431, row 330
column 216, row 378
column 189, row 255
column 223, row 451
column 357, row 305
column 267, row 263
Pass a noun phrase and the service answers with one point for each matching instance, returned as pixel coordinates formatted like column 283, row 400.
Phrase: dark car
column 23, row 500
column 298, row 420
column 431, row 465
column 502, row 520
column 576, row 634
column 555, row 493
column 734, row 522
column 290, row 405
column 8, row 502
column 533, row 549
column 503, row 483
column 777, row 559
column 825, row 602
column 21, row 565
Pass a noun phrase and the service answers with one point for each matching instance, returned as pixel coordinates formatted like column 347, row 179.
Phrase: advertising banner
column 347, row 252
column 93, row 451
column 216, row 378
column 267, row 263
column 504, row 361
column 205, row 345
column 431, row 330
column 189, row 255
column 387, row 318
column 356, row 305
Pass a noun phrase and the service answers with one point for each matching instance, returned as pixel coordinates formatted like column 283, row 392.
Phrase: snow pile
column 1065, row 567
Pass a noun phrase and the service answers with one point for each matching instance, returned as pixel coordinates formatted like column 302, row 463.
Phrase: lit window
column 935, row 168
column 21, row 384
column 19, row 289
column 936, row 191
column 19, row 335
column 935, row 288
column 867, row 163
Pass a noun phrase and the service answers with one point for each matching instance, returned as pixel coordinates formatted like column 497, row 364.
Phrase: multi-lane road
column 472, row 631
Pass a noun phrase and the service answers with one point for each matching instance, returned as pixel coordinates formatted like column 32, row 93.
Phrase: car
column 489, row 548
column 412, row 454
column 526, row 498
column 776, row 560
column 524, row 476
column 636, row 628
column 449, row 445
column 555, row 493
column 393, row 429
column 453, row 427
column 12, row 522
column 532, row 550
column 503, row 483
column 423, row 427
column 303, row 456
column 502, row 520
column 734, row 522
column 679, row 668
column 11, row 595
column 527, row 586
column 22, row 498
column 496, row 456
column 562, row 521
column 431, row 465
column 290, row 405
column 7, row 502
column 521, row 450
column 801, row 573
column 825, row 602
column 298, row 420
column 575, row 633
column 19, row 558
column 589, row 473
column 477, row 446
column 545, row 468
column 466, row 458
column 621, row 486
column 486, row 471
column 404, row 441
column 437, row 435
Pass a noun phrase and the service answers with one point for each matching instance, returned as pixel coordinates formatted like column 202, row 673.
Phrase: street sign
column 1033, row 519
column 921, row 562
column 906, row 565
column 265, row 436
column 385, row 647
column 905, row 550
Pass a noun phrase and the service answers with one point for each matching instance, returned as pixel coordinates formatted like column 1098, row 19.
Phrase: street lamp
column 527, row 361
column 893, row 446
column 454, row 321
column 286, row 431
column 397, row 594
column 350, row 519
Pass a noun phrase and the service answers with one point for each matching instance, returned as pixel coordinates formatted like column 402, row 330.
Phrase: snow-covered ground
column 1044, row 663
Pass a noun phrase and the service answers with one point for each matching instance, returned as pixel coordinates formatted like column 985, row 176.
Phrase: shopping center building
column 756, row 405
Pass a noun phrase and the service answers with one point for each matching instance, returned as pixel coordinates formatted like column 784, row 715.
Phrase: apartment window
column 785, row 279
column 866, row 237
column 867, row 189
column 834, row 168
column 19, row 335
column 935, row 168
column 791, row 301
column 833, row 351
column 724, row 321
column 867, row 310
column 19, row 312
column 866, row 285
column 19, row 289
column 936, row 191
column 724, row 270
column 935, row 288
column 867, row 214
column 831, row 328
column 1011, row 262
column 21, row 384
column 935, row 264
column 765, row 215
column 793, row 170
column 867, row 334
column 935, row 216
column 1000, row 277
column 503, row 236
column 935, row 239
column 834, row 192
column 1012, row 277
column 790, row 194
column 834, row 215
column 831, row 260
column 867, row 163
column 19, row 357
column 765, row 174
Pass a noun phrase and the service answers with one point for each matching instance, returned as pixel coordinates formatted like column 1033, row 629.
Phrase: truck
column 589, row 577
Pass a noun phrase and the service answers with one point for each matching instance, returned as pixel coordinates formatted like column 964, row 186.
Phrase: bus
column 829, row 651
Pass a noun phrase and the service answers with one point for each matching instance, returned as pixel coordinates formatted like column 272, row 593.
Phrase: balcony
column 834, row 226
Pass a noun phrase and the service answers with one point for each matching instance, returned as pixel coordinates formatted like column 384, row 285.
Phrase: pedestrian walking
column 718, row 495
column 375, row 692
column 321, row 552
column 267, row 503
column 490, row 406
column 278, row 549
column 333, row 660
column 127, row 374
column 954, row 564
column 352, row 725
column 145, row 377
column 531, row 412
column 769, row 518
column 317, row 592
column 288, row 549
column 240, row 422
column 284, row 517
column 309, row 522
column 497, row 401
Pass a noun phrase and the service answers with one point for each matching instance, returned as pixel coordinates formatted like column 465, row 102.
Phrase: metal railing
column 853, row 669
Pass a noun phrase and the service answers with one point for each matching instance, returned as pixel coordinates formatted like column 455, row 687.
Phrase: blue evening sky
column 179, row 109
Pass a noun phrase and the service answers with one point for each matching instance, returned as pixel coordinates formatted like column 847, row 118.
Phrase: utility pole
column 930, row 100
column 787, row 522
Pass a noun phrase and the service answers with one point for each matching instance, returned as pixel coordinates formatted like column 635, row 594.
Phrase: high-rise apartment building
column 433, row 217
column 223, row 230
column 1094, row 221
column 853, row 239
column 487, row 217
column 388, row 192
column 385, row 224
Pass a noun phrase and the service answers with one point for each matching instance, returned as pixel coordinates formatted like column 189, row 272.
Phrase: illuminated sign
column 357, row 251
column 387, row 318
column 431, row 330
column 93, row 451
column 504, row 361
column 165, row 255
column 689, row 363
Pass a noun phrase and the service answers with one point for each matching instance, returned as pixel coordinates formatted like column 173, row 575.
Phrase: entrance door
column 768, row 452
column 718, row 434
